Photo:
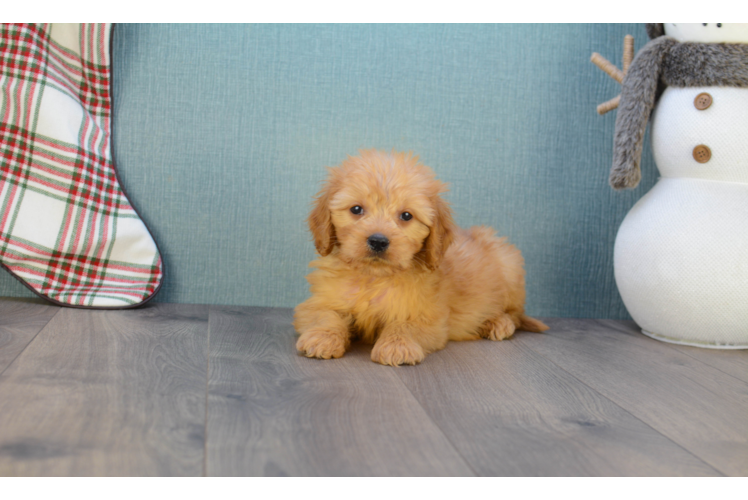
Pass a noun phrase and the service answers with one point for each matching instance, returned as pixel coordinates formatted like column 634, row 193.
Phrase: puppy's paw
column 498, row 329
column 321, row 343
column 395, row 351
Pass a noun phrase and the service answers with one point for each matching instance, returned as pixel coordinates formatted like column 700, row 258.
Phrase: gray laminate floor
column 200, row 390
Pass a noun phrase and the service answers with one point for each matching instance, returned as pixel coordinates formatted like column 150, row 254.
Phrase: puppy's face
column 383, row 211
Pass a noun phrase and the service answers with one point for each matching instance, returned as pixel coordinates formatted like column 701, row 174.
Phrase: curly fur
column 435, row 282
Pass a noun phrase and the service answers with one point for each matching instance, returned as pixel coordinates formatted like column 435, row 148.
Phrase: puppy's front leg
column 406, row 343
column 324, row 333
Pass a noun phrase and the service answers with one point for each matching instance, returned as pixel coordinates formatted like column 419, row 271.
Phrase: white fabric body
column 678, row 127
column 681, row 254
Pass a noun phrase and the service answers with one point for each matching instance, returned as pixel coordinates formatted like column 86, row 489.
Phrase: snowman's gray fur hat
column 662, row 62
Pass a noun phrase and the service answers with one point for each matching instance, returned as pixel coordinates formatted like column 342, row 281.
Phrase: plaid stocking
column 67, row 230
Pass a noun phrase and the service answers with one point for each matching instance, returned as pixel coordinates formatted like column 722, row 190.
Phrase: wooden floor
column 189, row 390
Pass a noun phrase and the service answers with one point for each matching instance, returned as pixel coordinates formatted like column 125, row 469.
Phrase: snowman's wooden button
column 702, row 101
column 702, row 154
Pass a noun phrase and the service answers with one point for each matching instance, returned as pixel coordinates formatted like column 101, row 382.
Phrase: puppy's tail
column 529, row 324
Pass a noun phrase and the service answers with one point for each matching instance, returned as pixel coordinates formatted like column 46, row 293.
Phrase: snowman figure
column 681, row 253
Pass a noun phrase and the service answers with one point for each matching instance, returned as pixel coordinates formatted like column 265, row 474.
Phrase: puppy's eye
column 357, row 210
column 406, row 216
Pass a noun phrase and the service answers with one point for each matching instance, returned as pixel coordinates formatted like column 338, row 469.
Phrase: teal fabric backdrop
column 222, row 133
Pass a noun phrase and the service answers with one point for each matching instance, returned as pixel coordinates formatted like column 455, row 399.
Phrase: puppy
column 396, row 272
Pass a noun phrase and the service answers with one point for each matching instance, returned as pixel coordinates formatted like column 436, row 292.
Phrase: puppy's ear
column 320, row 221
column 441, row 234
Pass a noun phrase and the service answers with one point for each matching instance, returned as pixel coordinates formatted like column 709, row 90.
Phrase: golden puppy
column 396, row 272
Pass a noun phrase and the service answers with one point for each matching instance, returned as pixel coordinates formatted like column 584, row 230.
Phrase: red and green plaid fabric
column 67, row 229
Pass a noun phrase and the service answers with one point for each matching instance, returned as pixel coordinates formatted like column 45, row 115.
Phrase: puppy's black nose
column 378, row 242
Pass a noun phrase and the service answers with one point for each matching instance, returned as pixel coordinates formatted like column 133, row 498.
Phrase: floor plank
column 124, row 393
column 695, row 405
column 20, row 321
column 731, row 361
column 272, row 412
column 512, row 413
column 108, row 393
